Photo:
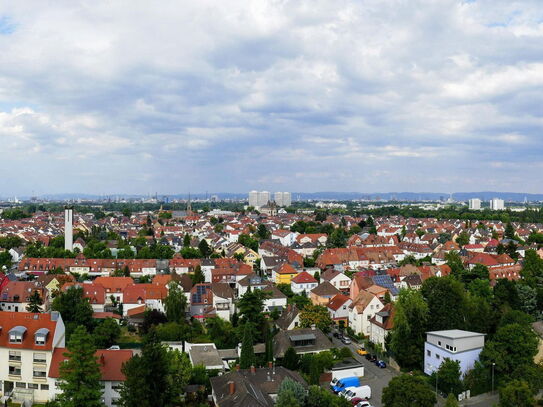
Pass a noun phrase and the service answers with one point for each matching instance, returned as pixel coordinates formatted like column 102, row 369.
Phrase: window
column 40, row 339
column 437, row 356
column 39, row 373
column 14, row 356
column 428, row 353
column 39, row 358
column 44, row 387
column 14, row 370
column 14, row 338
column 439, row 343
column 32, row 386
column 20, row 385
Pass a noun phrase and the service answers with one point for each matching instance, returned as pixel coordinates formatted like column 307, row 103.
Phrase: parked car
column 373, row 359
column 381, row 364
column 363, row 403
column 357, row 400
column 336, row 334
column 362, row 351
column 343, row 383
column 346, row 341
column 368, row 356
column 364, row 392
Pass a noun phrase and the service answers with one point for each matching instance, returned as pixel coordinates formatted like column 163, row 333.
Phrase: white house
column 27, row 343
column 286, row 237
column 337, row 279
column 454, row 344
column 303, row 282
column 363, row 308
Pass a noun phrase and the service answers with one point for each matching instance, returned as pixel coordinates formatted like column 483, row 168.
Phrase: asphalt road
column 374, row 376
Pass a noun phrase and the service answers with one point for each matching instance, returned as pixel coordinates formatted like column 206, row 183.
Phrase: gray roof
column 302, row 337
column 17, row 330
column 282, row 341
column 386, row 282
column 455, row 334
column 287, row 317
column 42, row 331
column 206, row 355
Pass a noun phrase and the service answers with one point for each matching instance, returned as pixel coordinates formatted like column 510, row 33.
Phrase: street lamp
column 493, row 364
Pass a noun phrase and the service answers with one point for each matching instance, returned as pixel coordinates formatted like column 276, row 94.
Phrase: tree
column 74, row 308
column 204, row 248
column 454, row 261
column 290, row 394
column 316, row 315
column 148, row 377
column 222, row 333
column 5, row 260
column 338, row 238
column 532, row 269
column 511, row 250
column 180, row 373
column 175, row 303
column 516, row 393
column 480, row 271
column 106, row 333
column 250, row 307
column 34, row 302
column 509, row 231
column 512, row 346
column 248, row 241
column 186, row 240
column 263, row 232
column 407, row 391
column 462, row 239
column 449, row 377
column 80, row 374
column 451, row 401
column 319, row 397
column 409, row 332
column 247, row 355
column 198, row 275
column 440, row 293
column 506, row 294
column 151, row 318
column 528, row 299
column 290, row 359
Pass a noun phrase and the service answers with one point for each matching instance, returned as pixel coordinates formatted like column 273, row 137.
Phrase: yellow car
column 362, row 351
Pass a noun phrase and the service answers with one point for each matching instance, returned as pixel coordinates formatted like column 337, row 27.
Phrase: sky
column 139, row 97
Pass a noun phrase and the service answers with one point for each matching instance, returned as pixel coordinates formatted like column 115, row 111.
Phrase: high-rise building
column 475, row 204
column 263, row 198
column 282, row 198
column 68, row 229
column 253, row 198
column 497, row 204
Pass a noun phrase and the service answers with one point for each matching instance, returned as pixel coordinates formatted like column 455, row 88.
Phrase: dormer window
column 40, row 337
column 16, row 334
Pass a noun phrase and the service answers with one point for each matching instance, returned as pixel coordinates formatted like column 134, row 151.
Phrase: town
column 269, row 302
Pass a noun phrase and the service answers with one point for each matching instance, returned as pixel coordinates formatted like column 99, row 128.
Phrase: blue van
column 346, row 382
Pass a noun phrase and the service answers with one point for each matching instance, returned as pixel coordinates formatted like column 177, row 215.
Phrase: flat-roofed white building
column 474, row 204
column 454, row 344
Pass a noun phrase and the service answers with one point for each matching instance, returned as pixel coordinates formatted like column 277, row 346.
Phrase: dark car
column 381, row 364
column 373, row 358
column 336, row 334
column 368, row 356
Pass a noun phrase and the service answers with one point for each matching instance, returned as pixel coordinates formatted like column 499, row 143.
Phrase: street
column 374, row 376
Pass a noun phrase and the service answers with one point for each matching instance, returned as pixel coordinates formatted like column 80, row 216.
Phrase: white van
column 363, row 392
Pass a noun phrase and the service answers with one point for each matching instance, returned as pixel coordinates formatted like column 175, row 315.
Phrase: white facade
column 253, row 198
column 283, row 198
column 68, row 229
column 455, row 344
column 497, row 204
column 299, row 288
column 474, row 204
column 360, row 321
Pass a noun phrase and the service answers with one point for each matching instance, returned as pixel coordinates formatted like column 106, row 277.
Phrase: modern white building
column 68, row 229
column 497, row 204
column 283, row 198
column 474, row 204
column 454, row 344
column 258, row 199
column 253, row 198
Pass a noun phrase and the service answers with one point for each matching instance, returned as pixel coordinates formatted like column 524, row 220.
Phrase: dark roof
column 386, row 282
column 251, row 389
column 284, row 339
column 325, row 288
column 286, row 318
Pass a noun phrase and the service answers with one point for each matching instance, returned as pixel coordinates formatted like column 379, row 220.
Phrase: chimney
column 102, row 359
column 313, row 327
column 289, row 307
column 231, row 387
column 270, row 365
column 253, row 370
column 237, row 367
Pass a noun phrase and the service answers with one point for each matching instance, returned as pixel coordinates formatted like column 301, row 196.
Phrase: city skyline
column 351, row 96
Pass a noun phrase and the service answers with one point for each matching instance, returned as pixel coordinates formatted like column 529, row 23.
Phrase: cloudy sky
column 176, row 96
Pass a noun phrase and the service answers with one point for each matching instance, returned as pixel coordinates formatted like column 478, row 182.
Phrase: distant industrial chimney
column 68, row 228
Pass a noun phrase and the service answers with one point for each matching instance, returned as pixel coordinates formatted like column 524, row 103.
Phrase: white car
column 363, row 404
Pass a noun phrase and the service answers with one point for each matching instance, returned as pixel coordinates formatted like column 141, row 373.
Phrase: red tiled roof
column 304, row 277
column 337, row 301
column 32, row 322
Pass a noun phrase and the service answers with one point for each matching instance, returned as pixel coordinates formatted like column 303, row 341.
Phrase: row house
column 150, row 295
column 15, row 295
column 95, row 293
column 381, row 325
column 209, row 300
column 361, row 310
column 286, row 237
column 114, row 287
column 283, row 274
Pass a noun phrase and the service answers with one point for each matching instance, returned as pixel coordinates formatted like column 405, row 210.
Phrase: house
column 289, row 319
column 454, row 344
column 111, row 375
column 303, row 340
column 286, row 237
column 212, row 300
column 323, row 293
column 275, row 300
column 114, row 287
column 205, row 354
column 303, row 282
column 381, row 324
column 338, row 307
column 362, row 309
column 252, row 282
column 337, row 279
column 15, row 295
column 95, row 293
column 151, row 295
column 283, row 273
column 254, row 387
column 27, row 344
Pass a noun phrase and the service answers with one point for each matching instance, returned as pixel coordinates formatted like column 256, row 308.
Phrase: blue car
column 381, row 364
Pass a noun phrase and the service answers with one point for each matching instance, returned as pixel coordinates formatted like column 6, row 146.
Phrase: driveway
column 374, row 376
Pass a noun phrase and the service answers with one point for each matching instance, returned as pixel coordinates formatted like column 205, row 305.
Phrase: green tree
column 74, row 308
column 454, row 261
column 532, row 269
column 222, row 333
column 516, row 393
column 198, row 275
column 528, row 299
column 451, row 401
column 148, row 377
column 204, row 248
column 251, row 305
column 316, row 315
column 440, row 293
column 290, row 359
column 462, row 239
column 290, row 394
column 80, row 374
column 480, row 271
column 509, row 231
column 512, row 346
column 408, row 391
column 180, row 373
column 175, row 303
column 34, row 302
column 106, row 333
column 186, row 240
column 409, row 332
column 263, row 232
column 449, row 377
column 247, row 354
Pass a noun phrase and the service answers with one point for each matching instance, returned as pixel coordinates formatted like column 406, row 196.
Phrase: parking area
column 375, row 377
